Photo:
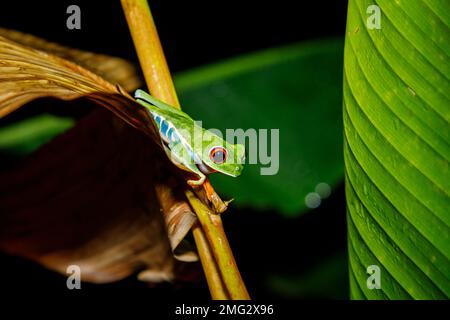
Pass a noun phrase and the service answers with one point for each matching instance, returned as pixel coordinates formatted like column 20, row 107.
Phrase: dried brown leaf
column 102, row 196
column 113, row 69
column 87, row 199
column 27, row 74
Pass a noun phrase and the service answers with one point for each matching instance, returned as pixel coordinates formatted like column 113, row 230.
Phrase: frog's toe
column 196, row 183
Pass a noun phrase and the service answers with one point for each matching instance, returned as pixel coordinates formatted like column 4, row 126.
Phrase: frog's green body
column 190, row 146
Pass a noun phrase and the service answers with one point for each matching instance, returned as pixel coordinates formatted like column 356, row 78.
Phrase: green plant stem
column 149, row 50
column 218, row 264
column 212, row 225
column 213, row 277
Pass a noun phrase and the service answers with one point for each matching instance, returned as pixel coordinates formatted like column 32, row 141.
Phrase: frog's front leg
column 199, row 182
column 180, row 156
column 194, row 169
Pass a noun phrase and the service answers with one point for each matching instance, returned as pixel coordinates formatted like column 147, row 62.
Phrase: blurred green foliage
column 23, row 137
column 296, row 89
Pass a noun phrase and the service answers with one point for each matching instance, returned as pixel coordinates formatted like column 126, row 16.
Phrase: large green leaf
column 296, row 89
column 396, row 148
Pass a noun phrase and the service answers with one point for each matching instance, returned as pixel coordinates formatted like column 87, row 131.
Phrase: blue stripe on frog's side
column 169, row 135
column 157, row 119
column 164, row 127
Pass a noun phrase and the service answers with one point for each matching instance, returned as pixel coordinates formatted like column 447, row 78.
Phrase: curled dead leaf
column 27, row 74
column 103, row 195
column 112, row 69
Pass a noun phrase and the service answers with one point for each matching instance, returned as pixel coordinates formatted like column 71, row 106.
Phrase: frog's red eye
column 218, row 155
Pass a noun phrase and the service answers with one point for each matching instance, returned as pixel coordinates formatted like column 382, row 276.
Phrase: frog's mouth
column 205, row 169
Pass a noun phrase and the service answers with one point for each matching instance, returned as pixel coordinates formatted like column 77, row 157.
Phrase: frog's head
column 221, row 156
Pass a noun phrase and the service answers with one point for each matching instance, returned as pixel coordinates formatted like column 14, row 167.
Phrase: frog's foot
column 196, row 183
column 217, row 203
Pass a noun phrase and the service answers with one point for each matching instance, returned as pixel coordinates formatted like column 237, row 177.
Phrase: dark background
column 194, row 33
